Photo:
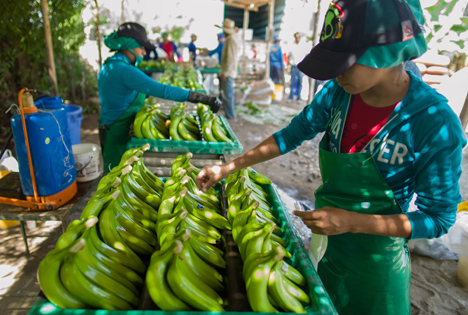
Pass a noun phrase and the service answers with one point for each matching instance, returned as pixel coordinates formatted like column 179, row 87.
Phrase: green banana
column 137, row 216
column 189, row 288
column 116, row 270
column 257, row 269
column 104, row 278
column 112, row 237
column 179, row 161
column 297, row 292
column 118, row 256
column 257, row 177
column 184, row 133
column 137, row 203
column 173, row 128
column 204, row 213
column 152, row 180
column 218, row 131
column 74, row 280
column 136, row 244
column 211, row 196
column 292, row 274
column 48, row 276
column 205, row 272
column 74, row 231
column 157, row 284
column 208, row 252
column 137, row 230
column 141, row 116
column 203, row 226
column 171, row 228
column 280, row 293
column 207, row 131
column 95, row 204
column 255, row 244
column 241, row 219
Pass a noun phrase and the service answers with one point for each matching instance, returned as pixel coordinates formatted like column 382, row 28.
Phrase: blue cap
column 220, row 35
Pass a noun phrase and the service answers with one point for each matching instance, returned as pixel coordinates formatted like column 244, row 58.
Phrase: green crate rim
column 234, row 147
column 305, row 265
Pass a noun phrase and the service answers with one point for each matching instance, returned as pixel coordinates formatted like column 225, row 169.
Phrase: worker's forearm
column 266, row 150
column 387, row 225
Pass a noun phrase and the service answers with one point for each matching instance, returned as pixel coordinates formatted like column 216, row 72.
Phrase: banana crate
column 196, row 147
column 234, row 295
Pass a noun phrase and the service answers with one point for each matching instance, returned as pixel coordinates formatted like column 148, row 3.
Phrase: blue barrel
column 51, row 151
column 74, row 116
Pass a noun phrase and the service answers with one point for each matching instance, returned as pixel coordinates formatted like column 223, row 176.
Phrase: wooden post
column 270, row 35
column 245, row 27
column 49, row 47
column 98, row 32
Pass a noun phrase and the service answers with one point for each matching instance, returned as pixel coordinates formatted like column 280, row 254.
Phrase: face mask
column 138, row 59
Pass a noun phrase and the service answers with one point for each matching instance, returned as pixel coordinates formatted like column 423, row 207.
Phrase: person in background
column 254, row 51
column 169, row 47
column 298, row 50
column 387, row 135
column 219, row 49
column 192, row 48
column 123, row 88
column 276, row 62
column 228, row 70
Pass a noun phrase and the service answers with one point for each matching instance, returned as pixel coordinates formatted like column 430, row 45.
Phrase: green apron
column 362, row 273
column 114, row 137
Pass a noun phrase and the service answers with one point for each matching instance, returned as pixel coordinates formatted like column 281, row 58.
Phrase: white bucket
column 87, row 161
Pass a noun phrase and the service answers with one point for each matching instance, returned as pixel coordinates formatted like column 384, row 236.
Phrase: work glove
column 212, row 101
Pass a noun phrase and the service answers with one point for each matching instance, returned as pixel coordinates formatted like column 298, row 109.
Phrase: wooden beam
column 49, row 47
column 241, row 6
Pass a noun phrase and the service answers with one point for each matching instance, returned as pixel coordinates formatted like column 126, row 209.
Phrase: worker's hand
column 210, row 175
column 213, row 101
column 327, row 220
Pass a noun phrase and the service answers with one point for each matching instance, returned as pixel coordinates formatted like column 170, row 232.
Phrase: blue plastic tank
column 51, row 151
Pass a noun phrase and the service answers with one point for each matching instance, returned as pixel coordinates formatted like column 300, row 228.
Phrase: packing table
column 10, row 187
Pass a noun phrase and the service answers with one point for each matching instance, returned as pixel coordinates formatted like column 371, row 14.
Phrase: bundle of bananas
column 151, row 123
column 256, row 232
column 185, row 78
column 159, row 64
column 211, row 126
column 99, row 265
column 183, row 126
column 183, row 277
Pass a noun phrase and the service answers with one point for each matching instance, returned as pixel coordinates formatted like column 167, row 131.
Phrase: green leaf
column 460, row 43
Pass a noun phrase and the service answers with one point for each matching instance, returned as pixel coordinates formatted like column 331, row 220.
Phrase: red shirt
column 362, row 124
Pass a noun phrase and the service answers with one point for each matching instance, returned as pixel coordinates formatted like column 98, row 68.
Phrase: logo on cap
column 332, row 26
column 407, row 30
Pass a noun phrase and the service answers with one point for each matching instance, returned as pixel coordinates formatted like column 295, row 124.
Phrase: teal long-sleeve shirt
column 120, row 82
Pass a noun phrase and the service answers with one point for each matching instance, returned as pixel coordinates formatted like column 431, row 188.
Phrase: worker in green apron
column 386, row 136
column 123, row 88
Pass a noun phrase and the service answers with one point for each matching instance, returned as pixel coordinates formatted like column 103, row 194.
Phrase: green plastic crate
column 196, row 147
column 321, row 303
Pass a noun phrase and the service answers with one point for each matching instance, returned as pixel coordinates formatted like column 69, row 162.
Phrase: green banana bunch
column 157, row 284
column 285, row 295
column 203, row 211
column 150, row 130
column 97, row 203
column 140, row 117
column 170, row 225
column 253, row 242
column 113, row 237
column 148, row 177
column 257, row 177
column 219, row 132
column 117, row 259
column 242, row 217
column 48, row 276
column 82, row 287
column 113, row 176
column 179, row 162
column 102, row 277
column 189, row 287
column 256, row 271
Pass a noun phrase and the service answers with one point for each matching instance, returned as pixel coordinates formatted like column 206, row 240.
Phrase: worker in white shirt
column 297, row 51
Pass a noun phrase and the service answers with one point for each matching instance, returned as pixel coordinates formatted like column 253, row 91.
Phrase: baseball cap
column 136, row 31
column 352, row 27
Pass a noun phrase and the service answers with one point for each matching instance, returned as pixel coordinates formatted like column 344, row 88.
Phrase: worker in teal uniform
column 123, row 88
column 387, row 136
